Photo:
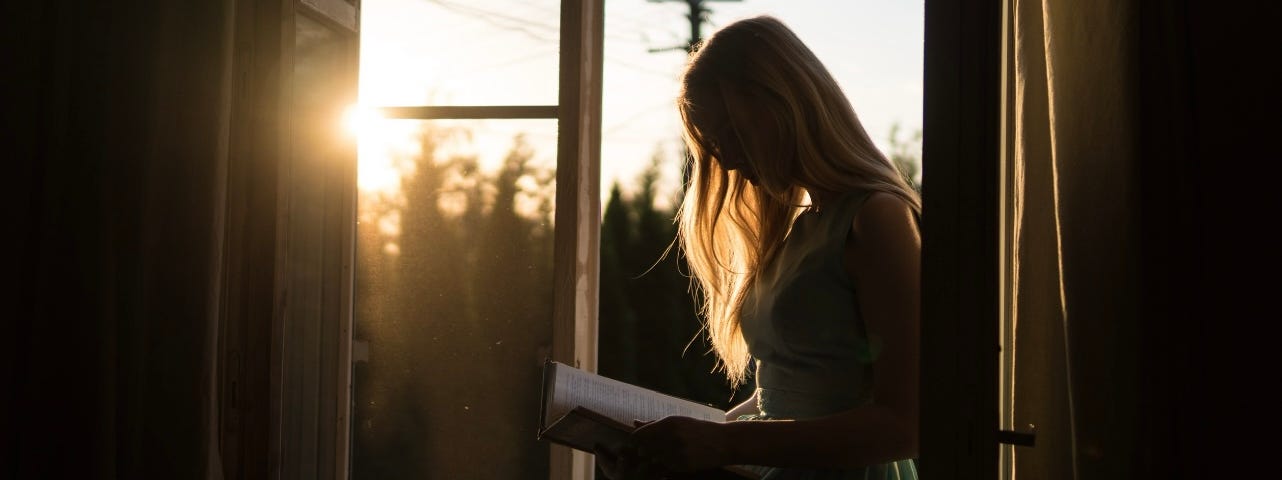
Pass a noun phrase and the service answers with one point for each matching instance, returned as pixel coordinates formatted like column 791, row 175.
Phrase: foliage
column 455, row 308
column 905, row 153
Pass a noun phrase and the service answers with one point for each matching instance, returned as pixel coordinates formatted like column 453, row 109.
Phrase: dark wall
column 115, row 118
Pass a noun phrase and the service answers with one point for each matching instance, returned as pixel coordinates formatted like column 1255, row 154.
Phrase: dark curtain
column 1140, row 272
column 116, row 120
column 1209, row 106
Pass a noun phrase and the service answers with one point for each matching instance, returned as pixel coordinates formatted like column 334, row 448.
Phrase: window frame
column 961, row 231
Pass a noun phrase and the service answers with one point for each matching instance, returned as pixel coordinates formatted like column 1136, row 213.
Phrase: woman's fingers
column 626, row 463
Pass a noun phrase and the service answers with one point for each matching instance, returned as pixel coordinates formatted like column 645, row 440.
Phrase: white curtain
column 1074, row 237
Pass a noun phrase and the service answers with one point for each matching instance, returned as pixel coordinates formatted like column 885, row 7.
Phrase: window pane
column 459, row 52
column 316, row 195
column 454, row 298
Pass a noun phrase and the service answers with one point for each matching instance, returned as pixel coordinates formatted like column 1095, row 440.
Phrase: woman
column 804, row 243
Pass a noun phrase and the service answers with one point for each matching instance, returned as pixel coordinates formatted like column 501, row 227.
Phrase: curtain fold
column 1074, row 244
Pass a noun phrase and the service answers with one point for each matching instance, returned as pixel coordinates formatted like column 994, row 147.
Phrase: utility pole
column 698, row 15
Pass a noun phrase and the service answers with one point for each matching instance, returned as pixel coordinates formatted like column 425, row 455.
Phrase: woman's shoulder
column 885, row 202
column 883, row 212
column 856, row 202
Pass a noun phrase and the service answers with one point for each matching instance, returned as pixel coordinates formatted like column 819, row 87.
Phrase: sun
column 377, row 138
column 361, row 121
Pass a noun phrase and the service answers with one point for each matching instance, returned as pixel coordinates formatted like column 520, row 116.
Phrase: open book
column 581, row 409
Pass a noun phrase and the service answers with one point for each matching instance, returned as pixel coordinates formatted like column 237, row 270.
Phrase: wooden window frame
column 961, row 229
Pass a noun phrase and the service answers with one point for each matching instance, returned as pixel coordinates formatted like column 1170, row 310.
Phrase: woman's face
column 729, row 152
column 726, row 143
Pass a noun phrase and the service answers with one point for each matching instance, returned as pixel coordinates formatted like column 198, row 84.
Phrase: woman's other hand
column 623, row 463
column 683, row 444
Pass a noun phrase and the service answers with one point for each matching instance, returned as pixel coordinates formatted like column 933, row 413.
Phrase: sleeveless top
column 801, row 321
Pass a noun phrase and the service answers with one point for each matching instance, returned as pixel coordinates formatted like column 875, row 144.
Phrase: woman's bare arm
column 748, row 407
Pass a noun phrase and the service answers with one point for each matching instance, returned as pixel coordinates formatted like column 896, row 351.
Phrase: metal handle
column 1018, row 438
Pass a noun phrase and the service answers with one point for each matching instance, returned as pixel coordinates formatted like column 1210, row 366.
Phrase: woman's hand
column 623, row 463
column 683, row 444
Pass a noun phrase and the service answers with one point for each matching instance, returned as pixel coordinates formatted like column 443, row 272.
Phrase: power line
column 635, row 115
column 641, row 68
column 502, row 20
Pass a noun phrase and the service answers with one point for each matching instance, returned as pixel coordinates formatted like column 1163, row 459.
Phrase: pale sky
column 504, row 52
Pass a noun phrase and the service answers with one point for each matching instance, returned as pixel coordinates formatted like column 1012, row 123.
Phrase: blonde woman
column 803, row 240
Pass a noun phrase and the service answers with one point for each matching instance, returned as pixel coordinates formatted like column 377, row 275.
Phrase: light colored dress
column 802, row 325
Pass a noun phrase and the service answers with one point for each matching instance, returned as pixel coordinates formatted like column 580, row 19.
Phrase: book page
column 621, row 401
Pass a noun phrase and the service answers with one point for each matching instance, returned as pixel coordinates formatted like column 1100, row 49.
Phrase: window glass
column 459, row 52
column 454, row 298
column 318, row 202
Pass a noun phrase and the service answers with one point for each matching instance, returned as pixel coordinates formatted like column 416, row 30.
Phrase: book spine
column 548, row 385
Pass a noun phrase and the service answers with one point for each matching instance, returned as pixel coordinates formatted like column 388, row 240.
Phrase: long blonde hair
column 808, row 141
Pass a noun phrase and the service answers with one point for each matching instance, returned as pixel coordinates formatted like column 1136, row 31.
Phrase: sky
column 504, row 52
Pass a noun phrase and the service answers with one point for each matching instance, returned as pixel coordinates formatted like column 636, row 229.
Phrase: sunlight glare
column 378, row 139
column 360, row 120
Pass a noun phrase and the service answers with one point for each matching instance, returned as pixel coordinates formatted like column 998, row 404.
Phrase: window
column 477, row 232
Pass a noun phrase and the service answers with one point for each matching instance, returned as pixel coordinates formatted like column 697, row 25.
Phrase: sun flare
column 378, row 139
column 361, row 121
